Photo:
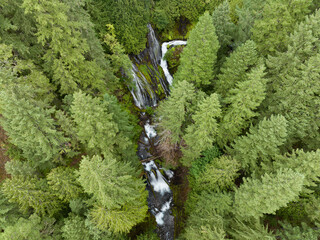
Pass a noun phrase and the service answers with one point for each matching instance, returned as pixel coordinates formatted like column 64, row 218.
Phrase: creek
column 152, row 80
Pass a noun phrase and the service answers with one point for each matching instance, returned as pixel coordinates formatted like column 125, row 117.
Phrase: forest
column 238, row 129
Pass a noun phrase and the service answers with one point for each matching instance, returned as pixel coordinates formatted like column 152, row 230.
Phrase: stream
column 146, row 94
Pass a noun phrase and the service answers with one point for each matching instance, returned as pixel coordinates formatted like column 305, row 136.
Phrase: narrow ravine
column 160, row 198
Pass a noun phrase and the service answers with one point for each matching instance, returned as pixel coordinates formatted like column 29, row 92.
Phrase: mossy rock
column 173, row 58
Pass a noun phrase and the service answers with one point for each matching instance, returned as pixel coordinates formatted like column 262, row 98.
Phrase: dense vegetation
column 241, row 123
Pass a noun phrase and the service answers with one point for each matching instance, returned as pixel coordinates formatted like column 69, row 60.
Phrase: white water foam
column 163, row 63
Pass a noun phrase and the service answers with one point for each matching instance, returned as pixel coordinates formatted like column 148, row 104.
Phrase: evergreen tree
column 102, row 127
column 30, row 193
column 24, row 229
column 241, row 103
column 257, row 197
column 289, row 232
column 306, row 163
column 173, row 113
column 219, row 174
column 20, row 168
column 9, row 213
column 236, row 66
column 278, row 21
column 63, row 183
column 200, row 135
column 295, row 86
column 224, row 27
column 74, row 228
column 30, row 126
column 66, row 59
column 248, row 14
column 199, row 57
column 120, row 197
column 251, row 229
column 261, row 143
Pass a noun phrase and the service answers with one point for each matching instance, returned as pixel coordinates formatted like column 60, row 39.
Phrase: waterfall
column 149, row 79
column 163, row 62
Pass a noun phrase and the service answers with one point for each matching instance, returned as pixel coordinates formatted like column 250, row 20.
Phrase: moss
column 173, row 58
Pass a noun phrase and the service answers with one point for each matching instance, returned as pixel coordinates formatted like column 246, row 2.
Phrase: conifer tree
column 24, row 229
column 219, row 175
column 278, row 21
column 199, row 57
column 257, row 197
column 236, row 66
column 295, row 86
column 242, row 102
column 224, row 26
column 261, row 143
column 173, row 113
column 30, row 193
column 306, row 163
column 290, row 232
column 102, row 127
column 30, row 126
column 9, row 213
column 250, row 229
column 200, row 135
column 66, row 57
column 74, row 228
column 63, row 183
column 120, row 197
column 20, row 168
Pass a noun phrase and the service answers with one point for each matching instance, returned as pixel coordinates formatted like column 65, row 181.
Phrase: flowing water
column 145, row 94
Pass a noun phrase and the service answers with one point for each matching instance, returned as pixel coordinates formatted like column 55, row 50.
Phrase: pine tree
column 290, row 232
column 199, row 57
column 306, row 163
column 257, row 197
column 201, row 135
column 66, row 57
column 250, row 229
column 63, row 183
column 242, row 102
column 9, row 213
column 295, row 86
column 20, row 168
column 173, row 113
column 224, row 26
column 30, row 126
column 103, row 127
column 261, row 143
column 120, row 197
column 74, row 228
column 30, row 193
column 24, row 229
column 278, row 21
column 236, row 66
column 248, row 14
column 219, row 175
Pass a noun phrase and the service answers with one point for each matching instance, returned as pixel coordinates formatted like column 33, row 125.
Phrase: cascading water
column 160, row 195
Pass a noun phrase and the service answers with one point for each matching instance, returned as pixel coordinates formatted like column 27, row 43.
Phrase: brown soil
column 3, row 157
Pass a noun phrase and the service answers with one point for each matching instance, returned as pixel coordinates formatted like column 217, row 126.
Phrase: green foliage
column 129, row 18
column 219, row 174
column 199, row 165
column 236, row 66
column 306, row 163
column 199, row 56
column 66, row 58
column 223, row 25
column 74, row 229
column 173, row 113
column 252, row 229
column 257, row 197
column 103, row 127
column 150, row 235
column 30, row 193
column 165, row 14
column 121, row 198
column 9, row 213
column 20, row 168
column 63, row 183
column 206, row 221
column 295, row 70
column 261, row 143
column 278, row 21
column 23, row 229
column 289, row 232
column 30, row 126
column 202, row 134
column 241, row 103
